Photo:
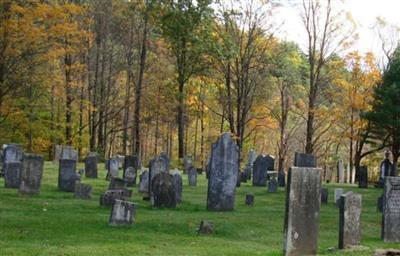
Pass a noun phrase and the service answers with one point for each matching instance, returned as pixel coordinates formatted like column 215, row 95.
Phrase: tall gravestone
column 192, row 176
column 112, row 168
column 324, row 195
column 159, row 164
column 340, row 170
column 224, row 165
column 187, row 163
column 338, row 194
column 67, row 175
column 251, row 157
column 391, row 210
column 178, row 186
column 91, row 167
column 131, row 166
column 363, row 177
column 303, row 198
column 349, row 220
column 304, row 160
column 260, row 167
column 144, row 183
column 31, row 174
column 12, row 165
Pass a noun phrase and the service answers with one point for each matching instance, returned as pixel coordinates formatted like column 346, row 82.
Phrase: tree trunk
column 68, row 99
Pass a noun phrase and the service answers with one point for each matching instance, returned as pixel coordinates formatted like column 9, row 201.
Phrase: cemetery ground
column 55, row 223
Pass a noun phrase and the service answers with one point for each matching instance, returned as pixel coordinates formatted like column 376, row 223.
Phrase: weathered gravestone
column 223, row 169
column 192, row 176
column 260, row 167
column 67, row 175
column 107, row 198
column 83, row 191
column 272, row 185
column 391, row 210
column 187, row 163
column 131, row 165
column 91, row 167
column 249, row 199
column 163, row 191
column 112, row 168
column 304, row 160
column 117, row 183
column 349, row 220
column 338, row 194
column 205, row 228
column 340, row 171
column 144, row 182
column 12, row 165
column 324, row 195
column 243, row 176
column 157, row 165
column 363, row 177
column 69, row 153
column 12, row 153
column 122, row 213
column 178, row 186
column 31, row 174
column 302, row 211
column 251, row 157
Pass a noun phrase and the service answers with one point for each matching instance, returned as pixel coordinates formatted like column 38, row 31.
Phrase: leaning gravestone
column 163, row 191
column 107, row 198
column 391, row 210
column 192, row 176
column 349, row 220
column 67, row 175
column 178, row 186
column 338, row 194
column 117, row 183
column 112, row 168
column 31, row 174
column 340, row 170
column 122, row 213
column 305, row 160
column 260, row 168
column 83, row 191
column 131, row 166
column 91, row 167
column 224, row 165
column 363, row 177
column 303, row 197
column 324, row 195
column 12, row 165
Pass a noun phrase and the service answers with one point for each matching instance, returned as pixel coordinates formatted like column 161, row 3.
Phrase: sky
column 363, row 12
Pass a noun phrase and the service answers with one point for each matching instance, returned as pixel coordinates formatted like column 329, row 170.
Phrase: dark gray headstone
column 272, row 185
column 391, row 210
column 144, row 182
column 192, row 176
column 31, row 174
column 112, row 168
column 239, row 178
column 349, row 220
column 260, row 167
column 107, row 198
column 224, row 166
column 91, row 167
column 122, row 213
column 130, row 173
column 303, row 197
column 324, row 195
column 249, row 199
column 157, row 165
column 67, row 175
column 12, row 174
column 281, row 179
column 117, row 183
column 243, row 176
column 304, row 160
column 83, row 191
column 363, row 177
column 178, row 187
column 338, row 194
column 12, row 153
column 163, row 191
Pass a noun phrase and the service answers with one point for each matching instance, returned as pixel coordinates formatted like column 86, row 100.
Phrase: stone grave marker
column 272, row 185
column 349, row 220
column 83, row 191
column 260, row 168
column 131, row 166
column 122, row 213
column 338, row 194
column 91, row 167
column 163, row 191
column 117, row 183
column 107, row 198
column 157, row 165
column 31, row 174
column 340, row 169
column 324, row 195
column 178, row 186
column 112, row 168
column 391, row 210
column 187, row 163
column 303, row 197
column 12, row 174
column 67, row 175
column 144, row 182
column 192, row 176
column 249, row 199
column 69, row 153
column 304, row 160
column 363, row 177
column 223, row 169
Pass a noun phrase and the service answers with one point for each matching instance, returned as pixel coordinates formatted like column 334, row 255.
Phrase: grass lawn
column 55, row 223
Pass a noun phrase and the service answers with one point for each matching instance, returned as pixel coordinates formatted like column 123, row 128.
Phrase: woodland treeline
column 145, row 76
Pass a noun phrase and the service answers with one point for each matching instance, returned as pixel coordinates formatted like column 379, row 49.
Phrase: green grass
column 55, row 223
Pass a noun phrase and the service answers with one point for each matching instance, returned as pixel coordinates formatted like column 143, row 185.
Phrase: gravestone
column 165, row 157
column 243, row 176
column 69, row 153
column 338, row 194
column 144, row 182
column 83, row 191
column 131, row 166
column 260, row 168
column 324, row 195
column 12, row 174
column 302, row 211
column 107, row 198
column 192, row 176
column 205, row 228
column 12, row 153
column 223, row 169
column 178, row 187
column 349, row 220
column 348, row 173
column 249, row 199
column 91, row 167
column 187, row 163
column 251, row 157
column 67, row 175
column 363, row 177
column 391, row 210
column 31, row 174
column 122, row 213
column 159, row 164
column 281, row 179
column 163, row 191
column 112, row 168
column 117, row 183
column 340, row 170
column 272, row 185
column 304, row 160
